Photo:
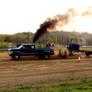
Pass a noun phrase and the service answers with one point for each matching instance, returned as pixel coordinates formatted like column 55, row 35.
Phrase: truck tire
column 46, row 56
column 16, row 57
column 40, row 56
column 87, row 54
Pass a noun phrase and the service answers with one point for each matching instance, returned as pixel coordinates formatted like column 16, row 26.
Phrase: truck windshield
column 20, row 46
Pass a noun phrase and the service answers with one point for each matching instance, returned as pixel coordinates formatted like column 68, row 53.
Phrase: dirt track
column 30, row 70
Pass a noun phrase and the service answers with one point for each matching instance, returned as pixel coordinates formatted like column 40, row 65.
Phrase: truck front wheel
column 16, row 57
column 46, row 56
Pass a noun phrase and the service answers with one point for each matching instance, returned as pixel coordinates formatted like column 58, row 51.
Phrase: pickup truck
column 29, row 50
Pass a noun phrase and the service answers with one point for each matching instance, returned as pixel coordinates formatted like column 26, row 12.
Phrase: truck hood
column 13, row 49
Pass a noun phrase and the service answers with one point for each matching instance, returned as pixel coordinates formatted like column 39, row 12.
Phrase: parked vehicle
column 76, row 48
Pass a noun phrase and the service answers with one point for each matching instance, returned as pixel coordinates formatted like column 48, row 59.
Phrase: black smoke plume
column 43, row 29
column 51, row 24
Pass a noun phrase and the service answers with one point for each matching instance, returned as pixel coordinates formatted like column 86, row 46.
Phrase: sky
column 27, row 15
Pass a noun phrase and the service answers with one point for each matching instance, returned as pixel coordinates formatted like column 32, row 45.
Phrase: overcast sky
column 26, row 15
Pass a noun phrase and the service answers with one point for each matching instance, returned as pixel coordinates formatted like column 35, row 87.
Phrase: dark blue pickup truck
column 29, row 50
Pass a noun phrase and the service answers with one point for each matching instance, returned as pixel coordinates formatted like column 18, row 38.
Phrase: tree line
column 58, row 37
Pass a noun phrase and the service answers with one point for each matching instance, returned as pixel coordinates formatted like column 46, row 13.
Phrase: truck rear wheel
column 16, row 57
column 87, row 54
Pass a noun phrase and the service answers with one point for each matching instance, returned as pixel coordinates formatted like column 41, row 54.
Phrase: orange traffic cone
column 78, row 59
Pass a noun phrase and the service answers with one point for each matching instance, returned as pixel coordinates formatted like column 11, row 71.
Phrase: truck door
column 32, row 49
column 25, row 50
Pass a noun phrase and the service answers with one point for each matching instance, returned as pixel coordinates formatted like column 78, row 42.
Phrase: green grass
column 72, row 78
column 86, row 49
column 5, row 45
column 69, row 85
column 3, row 51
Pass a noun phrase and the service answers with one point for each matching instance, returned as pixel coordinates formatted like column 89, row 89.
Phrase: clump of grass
column 73, row 78
column 85, row 80
column 21, row 86
column 24, row 86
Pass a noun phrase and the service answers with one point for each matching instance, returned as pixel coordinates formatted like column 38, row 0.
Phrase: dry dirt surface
column 30, row 69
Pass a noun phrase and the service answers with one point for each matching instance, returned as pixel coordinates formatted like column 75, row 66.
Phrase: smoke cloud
column 51, row 24
column 61, row 21
column 87, row 12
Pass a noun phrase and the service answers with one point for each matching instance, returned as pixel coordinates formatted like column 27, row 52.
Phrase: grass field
column 69, row 85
